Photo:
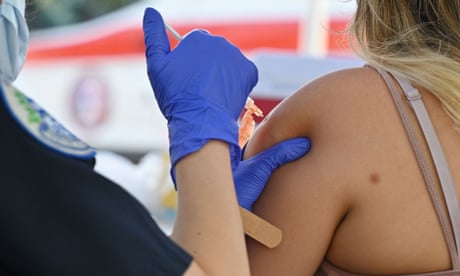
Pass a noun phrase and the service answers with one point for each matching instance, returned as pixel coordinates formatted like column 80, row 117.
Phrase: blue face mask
column 14, row 39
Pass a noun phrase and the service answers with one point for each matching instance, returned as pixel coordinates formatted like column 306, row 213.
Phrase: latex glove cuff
column 192, row 128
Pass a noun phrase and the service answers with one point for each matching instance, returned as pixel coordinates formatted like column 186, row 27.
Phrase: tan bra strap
column 448, row 188
column 437, row 154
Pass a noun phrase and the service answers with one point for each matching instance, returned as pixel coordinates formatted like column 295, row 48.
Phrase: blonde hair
column 418, row 39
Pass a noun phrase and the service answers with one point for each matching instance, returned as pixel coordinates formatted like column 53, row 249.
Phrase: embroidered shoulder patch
column 44, row 128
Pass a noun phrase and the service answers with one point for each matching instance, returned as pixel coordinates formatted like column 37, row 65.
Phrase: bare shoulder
column 337, row 112
column 345, row 114
column 329, row 202
column 327, row 105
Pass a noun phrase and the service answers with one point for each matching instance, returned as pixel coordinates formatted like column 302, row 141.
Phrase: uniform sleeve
column 60, row 218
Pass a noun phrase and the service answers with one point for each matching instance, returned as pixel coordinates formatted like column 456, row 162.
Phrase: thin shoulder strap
column 439, row 159
column 452, row 235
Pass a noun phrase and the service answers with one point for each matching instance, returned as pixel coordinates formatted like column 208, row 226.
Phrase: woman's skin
column 212, row 235
column 358, row 197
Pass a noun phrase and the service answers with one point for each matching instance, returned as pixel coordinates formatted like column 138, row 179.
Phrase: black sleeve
column 58, row 217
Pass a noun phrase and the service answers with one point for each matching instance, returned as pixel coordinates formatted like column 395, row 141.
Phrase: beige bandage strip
column 260, row 230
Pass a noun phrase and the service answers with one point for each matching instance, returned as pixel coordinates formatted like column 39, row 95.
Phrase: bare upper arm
column 308, row 198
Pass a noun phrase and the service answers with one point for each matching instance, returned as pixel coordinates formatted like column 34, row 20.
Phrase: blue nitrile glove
column 201, row 87
column 252, row 174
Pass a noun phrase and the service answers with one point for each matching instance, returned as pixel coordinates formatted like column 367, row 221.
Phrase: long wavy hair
column 418, row 39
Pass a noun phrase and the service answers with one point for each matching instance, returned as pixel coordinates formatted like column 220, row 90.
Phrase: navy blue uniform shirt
column 59, row 217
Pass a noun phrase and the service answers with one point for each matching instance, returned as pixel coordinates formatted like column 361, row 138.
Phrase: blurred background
column 86, row 66
column 44, row 14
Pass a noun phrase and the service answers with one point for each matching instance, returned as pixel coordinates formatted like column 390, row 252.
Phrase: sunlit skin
column 356, row 197
column 198, row 227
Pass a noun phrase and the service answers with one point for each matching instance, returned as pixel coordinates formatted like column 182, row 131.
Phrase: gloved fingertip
column 151, row 14
column 155, row 37
column 197, row 32
column 301, row 145
column 292, row 149
column 204, row 31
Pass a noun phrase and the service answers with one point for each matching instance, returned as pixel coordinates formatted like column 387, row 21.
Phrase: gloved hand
column 201, row 87
column 252, row 174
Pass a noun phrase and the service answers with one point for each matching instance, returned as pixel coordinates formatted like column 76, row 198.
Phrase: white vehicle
column 92, row 76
